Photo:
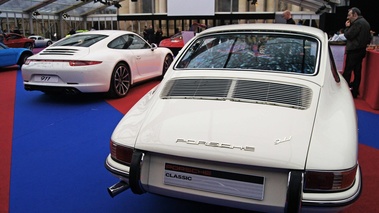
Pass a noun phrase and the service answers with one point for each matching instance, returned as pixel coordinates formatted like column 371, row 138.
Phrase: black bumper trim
column 294, row 192
column 135, row 173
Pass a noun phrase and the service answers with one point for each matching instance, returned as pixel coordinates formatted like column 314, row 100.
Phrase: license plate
column 46, row 78
column 240, row 185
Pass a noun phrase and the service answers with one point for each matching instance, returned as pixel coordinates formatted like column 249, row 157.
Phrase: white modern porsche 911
column 251, row 116
column 104, row 61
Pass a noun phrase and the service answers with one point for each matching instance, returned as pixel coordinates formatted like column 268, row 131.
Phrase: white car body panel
column 205, row 120
column 253, row 138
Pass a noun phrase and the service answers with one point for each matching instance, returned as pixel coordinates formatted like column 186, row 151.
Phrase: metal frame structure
column 43, row 15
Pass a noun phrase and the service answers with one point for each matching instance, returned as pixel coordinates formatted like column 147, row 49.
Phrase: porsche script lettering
column 190, row 170
column 216, row 144
column 279, row 141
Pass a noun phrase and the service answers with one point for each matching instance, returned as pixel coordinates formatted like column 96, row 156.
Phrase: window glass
column 333, row 66
column 80, row 40
column 138, row 43
column 119, row 43
column 249, row 51
column 14, row 36
column 227, row 5
column 128, row 42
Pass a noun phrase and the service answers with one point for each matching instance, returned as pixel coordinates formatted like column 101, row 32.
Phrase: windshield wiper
column 230, row 53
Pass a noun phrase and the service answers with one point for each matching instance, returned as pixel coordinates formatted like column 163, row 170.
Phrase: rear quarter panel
column 334, row 142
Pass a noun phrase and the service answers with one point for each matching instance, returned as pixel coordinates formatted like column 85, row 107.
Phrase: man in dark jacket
column 288, row 17
column 358, row 36
column 150, row 35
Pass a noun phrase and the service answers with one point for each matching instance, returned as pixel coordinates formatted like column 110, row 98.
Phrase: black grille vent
column 286, row 95
column 59, row 51
column 197, row 88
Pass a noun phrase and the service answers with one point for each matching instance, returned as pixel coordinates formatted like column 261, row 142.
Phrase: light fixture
column 36, row 13
column 109, row 2
column 323, row 9
column 117, row 5
column 253, row 2
column 65, row 15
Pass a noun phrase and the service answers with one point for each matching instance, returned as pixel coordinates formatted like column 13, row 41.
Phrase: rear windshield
column 252, row 51
column 80, row 40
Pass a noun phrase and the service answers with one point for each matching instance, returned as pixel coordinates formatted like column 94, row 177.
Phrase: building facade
column 56, row 19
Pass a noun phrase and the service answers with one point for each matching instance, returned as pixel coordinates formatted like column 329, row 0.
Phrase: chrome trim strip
column 116, row 171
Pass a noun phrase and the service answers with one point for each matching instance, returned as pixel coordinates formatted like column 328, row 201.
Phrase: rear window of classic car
column 253, row 51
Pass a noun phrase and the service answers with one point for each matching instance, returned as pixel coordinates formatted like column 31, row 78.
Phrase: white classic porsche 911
column 102, row 61
column 248, row 116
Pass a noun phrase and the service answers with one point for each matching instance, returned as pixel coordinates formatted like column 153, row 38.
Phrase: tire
column 48, row 43
column 120, row 81
column 29, row 46
column 24, row 56
column 166, row 64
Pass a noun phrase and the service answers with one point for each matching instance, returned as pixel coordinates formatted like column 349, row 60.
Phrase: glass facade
column 54, row 19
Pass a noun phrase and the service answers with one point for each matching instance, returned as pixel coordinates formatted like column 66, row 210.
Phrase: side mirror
column 153, row 46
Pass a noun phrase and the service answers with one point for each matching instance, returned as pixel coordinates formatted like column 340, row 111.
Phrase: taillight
column 329, row 181
column 120, row 153
column 83, row 63
column 71, row 63
column 27, row 62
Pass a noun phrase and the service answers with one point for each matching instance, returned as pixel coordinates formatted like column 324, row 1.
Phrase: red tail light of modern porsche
column 318, row 181
column 73, row 63
column 83, row 63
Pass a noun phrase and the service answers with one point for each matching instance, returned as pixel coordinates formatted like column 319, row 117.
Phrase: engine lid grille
column 270, row 93
column 59, row 51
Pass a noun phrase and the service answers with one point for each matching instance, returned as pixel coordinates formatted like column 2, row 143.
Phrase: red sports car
column 174, row 43
column 17, row 40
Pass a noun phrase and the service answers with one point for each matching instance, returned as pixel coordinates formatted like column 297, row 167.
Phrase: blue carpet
column 368, row 125
column 58, row 153
column 59, row 147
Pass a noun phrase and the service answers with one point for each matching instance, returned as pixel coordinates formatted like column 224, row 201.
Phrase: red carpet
column 362, row 105
column 368, row 159
column 135, row 93
column 7, row 98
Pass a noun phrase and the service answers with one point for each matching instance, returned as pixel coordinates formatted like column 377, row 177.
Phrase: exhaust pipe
column 70, row 91
column 118, row 188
